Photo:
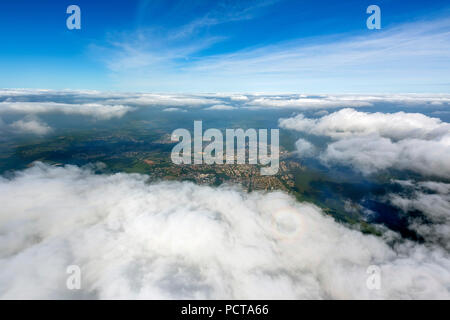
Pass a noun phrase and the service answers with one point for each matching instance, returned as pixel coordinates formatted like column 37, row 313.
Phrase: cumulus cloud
column 27, row 125
column 221, row 107
column 377, row 141
column 31, row 125
column 349, row 122
column 168, row 240
column 99, row 103
column 173, row 110
column 310, row 102
column 95, row 110
column 288, row 101
column 328, row 101
column 238, row 97
column 305, row 148
column 86, row 99
column 405, row 99
column 433, row 200
column 307, row 103
column 168, row 100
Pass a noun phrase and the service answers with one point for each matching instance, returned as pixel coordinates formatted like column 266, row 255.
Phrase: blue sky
column 226, row 46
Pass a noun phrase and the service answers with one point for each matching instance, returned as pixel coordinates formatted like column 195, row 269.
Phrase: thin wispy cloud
column 411, row 57
column 223, row 13
column 162, row 49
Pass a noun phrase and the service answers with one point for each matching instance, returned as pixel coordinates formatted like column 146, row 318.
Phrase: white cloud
column 305, row 148
column 221, row 107
column 306, row 103
column 19, row 98
column 31, row 125
column 352, row 123
column 174, row 110
column 232, row 96
column 167, row 100
column 91, row 99
column 404, row 99
column 50, row 95
column 179, row 240
column 95, row 110
column 238, row 97
column 376, row 141
column 373, row 153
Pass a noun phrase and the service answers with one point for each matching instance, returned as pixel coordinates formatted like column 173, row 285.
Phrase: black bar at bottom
column 222, row 309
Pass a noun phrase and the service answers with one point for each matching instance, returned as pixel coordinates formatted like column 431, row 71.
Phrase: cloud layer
column 116, row 104
column 96, row 110
column 371, row 142
column 179, row 240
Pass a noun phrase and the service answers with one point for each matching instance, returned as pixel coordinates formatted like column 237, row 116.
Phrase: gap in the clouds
column 138, row 141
